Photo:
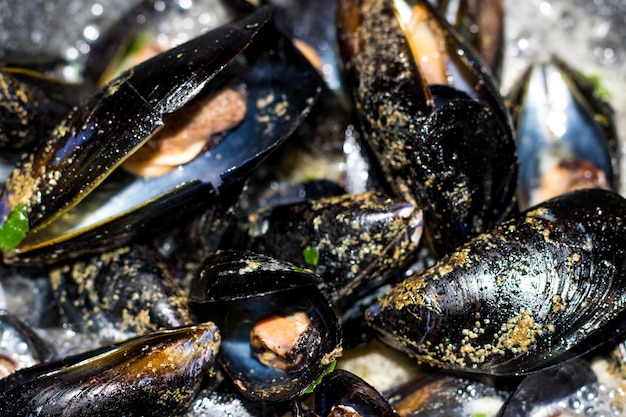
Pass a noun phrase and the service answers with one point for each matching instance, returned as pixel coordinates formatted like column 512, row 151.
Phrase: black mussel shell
column 343, row 390
column 564, row 389
column 31, row 105
column 355, row 243
column 466, row 173
column 266, row 294
column 391, row 96
column 220, row 397
column 157, row 374
column 566, row 136
column 308, row 22
column 99, row 295
column 20, row 345
column 481, row 24
column 233, row 275
column 445, row 144
column 543, row 286
column 435, row 394
column 42, row 196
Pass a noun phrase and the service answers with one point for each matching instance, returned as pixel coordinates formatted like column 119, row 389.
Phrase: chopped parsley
column 14, row 228
column 311, row 255
column 328, row 370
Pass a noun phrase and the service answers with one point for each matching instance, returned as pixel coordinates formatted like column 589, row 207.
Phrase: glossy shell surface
column 545, row 285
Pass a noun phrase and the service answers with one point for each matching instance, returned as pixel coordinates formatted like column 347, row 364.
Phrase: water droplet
column 601, row 29
column 545, row 8
column 36, row 36
column 159, row 5
column 71, row 54
column 205, row 19
column 83, row 47
column 185, row 4
column 21, row 348
column 97, row 9
column 91, row 32
column 574, row 403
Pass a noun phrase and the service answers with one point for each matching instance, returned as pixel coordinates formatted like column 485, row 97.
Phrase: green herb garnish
column 311, row 255
column 328, row 370
column 599, row 91
column 14, row 228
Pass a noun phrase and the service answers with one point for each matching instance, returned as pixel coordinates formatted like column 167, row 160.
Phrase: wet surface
column 589, row 35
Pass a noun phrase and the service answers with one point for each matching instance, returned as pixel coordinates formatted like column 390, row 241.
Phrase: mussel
column 342, row 393
column 566, row 137
column 279, row 333
column 481, row 24
column 543, row 286
column 568, row 388
column 57, row 203
column 439, row 394
column 119, row 294
column 156, row 374
column 32, row 104
column 354, row 242
column 433, row 117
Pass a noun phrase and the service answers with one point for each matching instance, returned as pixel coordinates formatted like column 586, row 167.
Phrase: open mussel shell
column 543, row 286
column 308, row 23
column 442, row 135
column 47, row 187
column 566, row 136
column 157, row 374
column 481, row 24
column 220, row 397
column 445, row 58
column 279, row 333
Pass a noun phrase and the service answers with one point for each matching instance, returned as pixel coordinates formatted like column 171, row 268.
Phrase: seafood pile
column 215, row 208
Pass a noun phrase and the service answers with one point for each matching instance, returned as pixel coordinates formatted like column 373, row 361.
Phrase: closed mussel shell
column 119, row 294
column 354, row 242
column 157, row 374
column 546, row 285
